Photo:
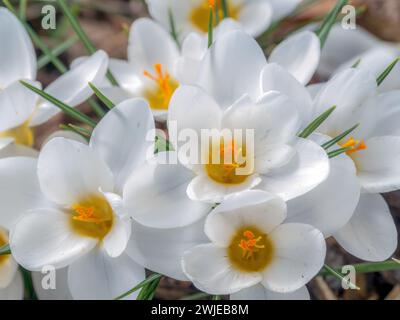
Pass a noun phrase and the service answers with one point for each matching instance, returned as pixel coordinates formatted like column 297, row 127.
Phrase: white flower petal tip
column 299, row 54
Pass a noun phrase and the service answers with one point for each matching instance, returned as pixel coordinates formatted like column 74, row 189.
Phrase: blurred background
column 107, row 23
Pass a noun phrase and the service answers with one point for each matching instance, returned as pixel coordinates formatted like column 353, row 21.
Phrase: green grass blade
column 225, row 8
column 172, row 27
column 340, row 137
column 338, row 152
column 107, row 102
column 316, row 123
column 77, row 115
column 150, row 279
column 4, row 250
column 368, row 267
column 329, row 21
column 333, row 272
column 386, row 72
column 210, row 27
column 84, row 133
column 45, row 59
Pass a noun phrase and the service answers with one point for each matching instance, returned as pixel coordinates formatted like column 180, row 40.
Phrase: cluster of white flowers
column 102, row 211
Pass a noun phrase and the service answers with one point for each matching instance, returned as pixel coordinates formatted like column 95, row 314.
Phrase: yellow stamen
column 250, row 245
column 355, row 145
column 22, row 134
column 160, row 95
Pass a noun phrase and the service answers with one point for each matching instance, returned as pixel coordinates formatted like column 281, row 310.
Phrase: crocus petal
column 156, row 195
column 15, row 290
column 125, row 75
column 41, row 284
column 259, row 292
column 307, row 169
column 96, row 276
column 276, row 78
column 17, row 55
column 299, row 256
column 72, row 87
column 17, row 105
column 255, row 207
column 371, row 233
column 208, row 267
column 299, row 54
column 69, row 170
column 329, row 206
column 255, row 17
column 124, row 138
column 377, row 165
column 161, row 250
column 44, row 237
column 150, row 44
column 231, row 68
column 282, row 8
column 20, row 189
column 18, row 150
column 70, row 135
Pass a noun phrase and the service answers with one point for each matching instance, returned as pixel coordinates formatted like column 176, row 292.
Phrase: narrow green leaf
column 338, row 152
column 150, row 279
column 22, row 8
column 77, row 115
column 216, row 298
column 96, row 108
column 368, row 267
column 161, row 145
column 82, row 35
column 340, row 137
column 172, row 26
column 45, row 59
column 216, row 9
column 30, row 293
column 4, row 250
column 225, row 8
column 387, row 71
column 148, row 291
column 84, row 133
column 356, row 64
column 108, row 103
column 316, row 123
column 210, row 27
column 329, row 21
column 338, row 275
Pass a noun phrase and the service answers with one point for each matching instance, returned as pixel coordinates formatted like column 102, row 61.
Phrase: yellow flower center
column 3, row 242
column 161, row 92
column 354, row 145
column 92, row 217
column 199, row 16
column 250, row 250
column 22, row 134
column 227, row 163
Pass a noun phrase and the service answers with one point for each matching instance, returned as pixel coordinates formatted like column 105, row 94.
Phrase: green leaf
column 4, row 250
column 22, row 8
column 225, row 8
column 45, row 59
column 84, row 133
column 161, row 145
column 30, row 293
column 150, row 279
column 329, row 21
column 316, row 123
column 331, row 271
column 216, row 297
column 210, row 27
column 340, row 137
column 338, row 152
column 172, row 26
column 387, row 71
column 149, row 290
column 82, row 35
column 77, row 115
column 356, row 64
column 108, row 103
column 368, row 267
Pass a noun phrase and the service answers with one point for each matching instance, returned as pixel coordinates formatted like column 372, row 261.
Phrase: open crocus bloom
column 192, row 15
column 374, row 148
column 250, row 246
column 71, row 199
column 151, row 71
column 21, row 109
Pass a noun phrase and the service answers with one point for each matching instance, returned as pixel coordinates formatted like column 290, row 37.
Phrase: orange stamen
column 250, row 246
column 354, row 145
column 85, row 214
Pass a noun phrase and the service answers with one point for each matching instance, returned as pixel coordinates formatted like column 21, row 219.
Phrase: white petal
column 276, row 78
column 96, row 276
column 232, row 68
column 208, row 267
column 299, row 54
column 149, row 44
column 248, row 208
column 15, row 290
column 377, row 165
column 282, row 8
column 125, row 75
column 255, row 17
column 72, row 87
column 272, row 157
column 41, row 284
column 155, row 195
column 44, row 237
column 17, row 104
column 69, row 170
column 203, row 188
column 371, row 233
column 20, row 189
column 259, row 292
column 329, row 206
column 70, row 135
column 17, row 150
column 273, row 118
column 307, row 169
column 299, row 256
column 17, row 55
column 124, row 138
column 161, row 250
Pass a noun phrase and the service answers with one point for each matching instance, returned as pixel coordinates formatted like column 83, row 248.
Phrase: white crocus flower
column 250, row 246
column 255, row 16
column 74, row 215
column 20, row 109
